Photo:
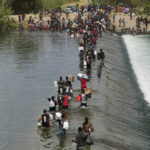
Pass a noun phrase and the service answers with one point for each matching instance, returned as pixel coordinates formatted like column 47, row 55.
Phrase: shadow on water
column 99, row 71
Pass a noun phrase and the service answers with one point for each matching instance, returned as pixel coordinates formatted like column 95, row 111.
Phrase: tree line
column 28, row 6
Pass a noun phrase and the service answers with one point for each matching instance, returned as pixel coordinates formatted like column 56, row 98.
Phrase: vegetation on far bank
column 5, row 22
column 140, row 6
column 8, row 7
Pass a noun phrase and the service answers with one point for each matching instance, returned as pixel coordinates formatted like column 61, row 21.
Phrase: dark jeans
column 62, row 132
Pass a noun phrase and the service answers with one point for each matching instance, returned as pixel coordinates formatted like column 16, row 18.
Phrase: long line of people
column 86, row 32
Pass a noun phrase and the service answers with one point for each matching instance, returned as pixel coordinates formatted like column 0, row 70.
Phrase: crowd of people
column 58, row 21
column 86, row 31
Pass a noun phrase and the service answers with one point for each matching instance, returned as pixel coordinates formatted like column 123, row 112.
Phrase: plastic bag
column 55, row 84
column 78, row 99
column 81, row 48
column 85, row 63
column 72, row 35
column 95, row 53
column 58, row 116
column 84, row 76
column 79, row 75
column 66, row 125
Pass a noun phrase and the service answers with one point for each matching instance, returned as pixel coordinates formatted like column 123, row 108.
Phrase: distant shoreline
column 129, row 24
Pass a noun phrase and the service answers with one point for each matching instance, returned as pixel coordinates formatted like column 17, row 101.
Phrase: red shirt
column 65, row 100
column 83, row 83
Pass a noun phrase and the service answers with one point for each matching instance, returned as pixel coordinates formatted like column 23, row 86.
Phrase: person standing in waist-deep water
column 52, row 105
column 83, row 100
column 88, row 128
column 65, row 102
column 63, row 125
column 68, row 83
column 87, row 125
column 80, row 139
column 45, row 118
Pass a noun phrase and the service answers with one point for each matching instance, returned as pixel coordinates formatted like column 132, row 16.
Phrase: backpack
column 51, row 103
column 78, row 99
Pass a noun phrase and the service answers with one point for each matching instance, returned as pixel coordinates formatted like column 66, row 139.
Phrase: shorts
column 52, row 109
column 101, row 60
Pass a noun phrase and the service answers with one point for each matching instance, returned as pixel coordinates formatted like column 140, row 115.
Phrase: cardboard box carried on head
column 87, row 91
column 71, row 78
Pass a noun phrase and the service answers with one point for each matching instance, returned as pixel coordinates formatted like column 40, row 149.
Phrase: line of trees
column 24, row 6
column 5, row 22
column 28, row 6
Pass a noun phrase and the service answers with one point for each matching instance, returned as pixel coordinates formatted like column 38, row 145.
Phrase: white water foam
column 139, row 53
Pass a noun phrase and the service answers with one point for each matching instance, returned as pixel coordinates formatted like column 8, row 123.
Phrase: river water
column 30, row 62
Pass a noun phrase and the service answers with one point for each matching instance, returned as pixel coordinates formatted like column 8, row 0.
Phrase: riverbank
column 45, row 18
column 130, row 24
column 129, row 28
